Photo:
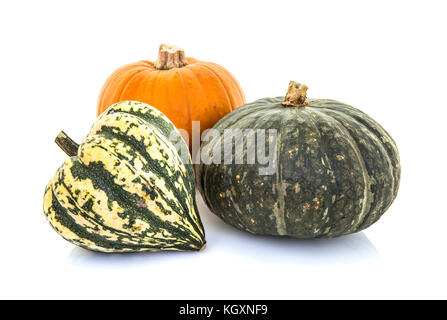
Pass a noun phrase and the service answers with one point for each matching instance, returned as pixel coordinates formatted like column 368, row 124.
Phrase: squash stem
column 66, row 144
column 296, row 95
column 170, row 57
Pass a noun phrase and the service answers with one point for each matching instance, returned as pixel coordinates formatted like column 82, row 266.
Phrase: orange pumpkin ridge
column 184, row 89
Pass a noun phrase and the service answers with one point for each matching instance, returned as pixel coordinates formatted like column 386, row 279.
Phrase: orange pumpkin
column 184, row 89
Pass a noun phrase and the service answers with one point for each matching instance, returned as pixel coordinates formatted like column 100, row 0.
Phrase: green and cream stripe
column 128, row 188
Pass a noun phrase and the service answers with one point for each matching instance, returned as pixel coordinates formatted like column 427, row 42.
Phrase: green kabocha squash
column 127, row 187
column 336, row 170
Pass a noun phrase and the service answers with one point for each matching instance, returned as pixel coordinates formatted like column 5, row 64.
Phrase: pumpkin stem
column 170, row 57
column 66, row 144
column 296, row 95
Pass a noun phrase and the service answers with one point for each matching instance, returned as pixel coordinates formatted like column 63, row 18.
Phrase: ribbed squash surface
column 128, row 188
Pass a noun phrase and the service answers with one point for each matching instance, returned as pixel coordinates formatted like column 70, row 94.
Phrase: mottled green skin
column 337, row 171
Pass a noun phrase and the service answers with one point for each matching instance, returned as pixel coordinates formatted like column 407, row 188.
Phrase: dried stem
column 296, row 95
column 170, row 57
column 66, row 144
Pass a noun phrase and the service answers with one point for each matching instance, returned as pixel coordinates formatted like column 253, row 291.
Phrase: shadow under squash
column 350, row 249
column 224, row 241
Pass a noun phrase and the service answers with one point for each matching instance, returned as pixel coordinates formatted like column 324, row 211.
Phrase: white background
column 388, row 58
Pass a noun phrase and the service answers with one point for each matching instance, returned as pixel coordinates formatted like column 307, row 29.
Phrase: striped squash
column 336, row 170
column 129, row 186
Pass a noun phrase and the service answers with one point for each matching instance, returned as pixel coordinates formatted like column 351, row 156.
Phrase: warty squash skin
column 126, row 187
column 184, row 89
column 337, row 171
